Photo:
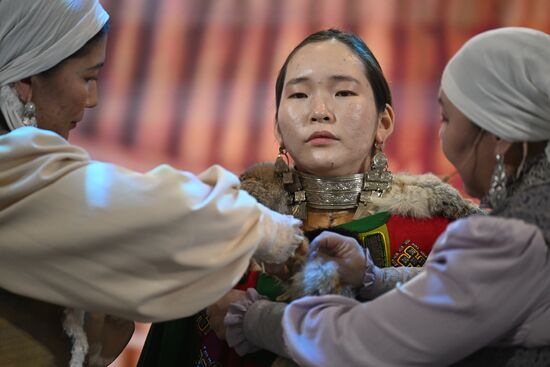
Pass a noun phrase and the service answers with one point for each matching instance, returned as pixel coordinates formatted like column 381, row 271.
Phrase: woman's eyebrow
column 344, row 78
column 297, row 80
column 96, row 66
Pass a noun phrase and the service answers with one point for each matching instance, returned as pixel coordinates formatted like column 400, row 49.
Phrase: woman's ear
column 385, row 124
column 514, row 154
column 502, row 146
column 23, row 89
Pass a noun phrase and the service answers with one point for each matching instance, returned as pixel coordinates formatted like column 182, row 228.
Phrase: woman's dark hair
column 378, row 82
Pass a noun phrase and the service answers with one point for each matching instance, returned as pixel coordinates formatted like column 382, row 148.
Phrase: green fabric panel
column 175, row 343
column 170, row 343
column 269, row 286
column 366, row 224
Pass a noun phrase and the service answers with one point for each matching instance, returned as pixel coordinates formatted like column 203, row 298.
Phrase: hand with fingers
column 346, row 252
column 216, row 312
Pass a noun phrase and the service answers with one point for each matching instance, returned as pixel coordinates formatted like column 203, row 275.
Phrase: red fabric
column 249, row 281
column 420, row 232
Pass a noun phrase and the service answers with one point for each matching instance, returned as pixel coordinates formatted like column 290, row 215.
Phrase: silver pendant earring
column 377, row 181
column 29, row 112
column 497, row 191
column 379, row 178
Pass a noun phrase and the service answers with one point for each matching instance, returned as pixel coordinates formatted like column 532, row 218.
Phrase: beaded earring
column 497, row 190
column 378, row 180
column 282, row 166
column 29, row 112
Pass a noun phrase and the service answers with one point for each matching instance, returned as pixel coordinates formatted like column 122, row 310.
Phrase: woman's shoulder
column 263, row 171
column 31, row 137
column 261, row 181
column 424, row 196
column 471, row 243
column 489, row 228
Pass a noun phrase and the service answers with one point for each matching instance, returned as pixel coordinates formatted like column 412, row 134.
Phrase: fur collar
column 418, row 196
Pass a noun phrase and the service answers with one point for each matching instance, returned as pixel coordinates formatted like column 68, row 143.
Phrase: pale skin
column 62, row 95
column 327, row 118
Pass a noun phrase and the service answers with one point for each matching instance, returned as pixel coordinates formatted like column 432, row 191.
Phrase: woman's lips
column 321, row 138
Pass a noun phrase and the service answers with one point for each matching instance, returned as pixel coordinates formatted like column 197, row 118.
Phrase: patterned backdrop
column 191, row 82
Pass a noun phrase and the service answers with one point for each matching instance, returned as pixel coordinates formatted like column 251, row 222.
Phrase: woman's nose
column 92, row 99
column 321, row 111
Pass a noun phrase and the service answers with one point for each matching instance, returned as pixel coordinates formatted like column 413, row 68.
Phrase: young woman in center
column 333, row 117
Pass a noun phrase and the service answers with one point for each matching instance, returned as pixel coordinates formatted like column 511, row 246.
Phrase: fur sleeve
column 261, row 182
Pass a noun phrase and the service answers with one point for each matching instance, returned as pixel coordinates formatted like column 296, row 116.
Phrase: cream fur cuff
column 281, row 236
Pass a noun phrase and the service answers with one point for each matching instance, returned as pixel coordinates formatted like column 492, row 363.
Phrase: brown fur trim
column 418, row 196
column 261, row 182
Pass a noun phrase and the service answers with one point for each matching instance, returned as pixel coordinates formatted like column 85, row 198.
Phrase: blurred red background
column 191, row 82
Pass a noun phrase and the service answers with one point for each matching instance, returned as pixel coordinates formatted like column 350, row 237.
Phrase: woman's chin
column 326, row 170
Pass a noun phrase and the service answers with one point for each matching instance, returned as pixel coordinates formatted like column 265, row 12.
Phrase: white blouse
column 147, row 247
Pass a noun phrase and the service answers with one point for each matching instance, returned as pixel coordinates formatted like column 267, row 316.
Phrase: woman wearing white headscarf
column 88, row 235
column 487, row 280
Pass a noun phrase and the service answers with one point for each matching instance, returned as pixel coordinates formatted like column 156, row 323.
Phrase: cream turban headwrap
column 35, row 35
column 500, row 80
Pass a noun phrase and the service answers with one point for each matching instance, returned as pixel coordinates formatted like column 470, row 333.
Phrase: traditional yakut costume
column 399, row 221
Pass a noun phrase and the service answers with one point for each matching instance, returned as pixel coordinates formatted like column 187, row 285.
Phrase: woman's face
column 62, row 95
column 467, row 147
column 327, row 118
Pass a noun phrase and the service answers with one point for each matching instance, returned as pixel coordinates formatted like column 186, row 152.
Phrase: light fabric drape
column 150, row 247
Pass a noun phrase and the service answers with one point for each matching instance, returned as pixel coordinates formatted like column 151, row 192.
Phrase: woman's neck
column 326, row 218
column 335, row 172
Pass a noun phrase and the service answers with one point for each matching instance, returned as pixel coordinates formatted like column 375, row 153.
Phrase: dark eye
column 345, row 93
column 298, row 95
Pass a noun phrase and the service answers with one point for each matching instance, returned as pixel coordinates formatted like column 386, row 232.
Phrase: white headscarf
column 500, row 80
column 36, row 35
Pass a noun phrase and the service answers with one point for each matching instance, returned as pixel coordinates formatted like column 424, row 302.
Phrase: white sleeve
column 482, row 280
column 147, row 247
